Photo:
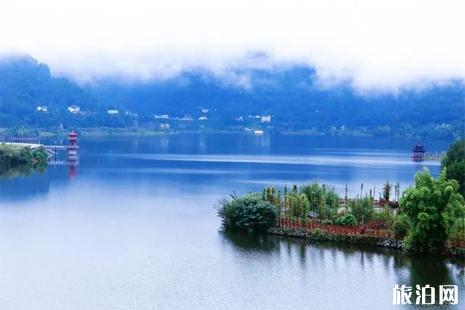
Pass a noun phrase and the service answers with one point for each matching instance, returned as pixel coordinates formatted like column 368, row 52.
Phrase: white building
column 74, row 109
column 112, row 111
column 204, row 110
column 203, row 118
column 186, row 117
column 42, row 108
column 265, row 119
column 161, row 116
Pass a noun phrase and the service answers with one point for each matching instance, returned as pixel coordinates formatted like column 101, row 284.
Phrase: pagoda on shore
column 418, row 152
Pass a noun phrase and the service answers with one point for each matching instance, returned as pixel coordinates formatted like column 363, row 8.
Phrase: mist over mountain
column 291, row 95
column 26, row 84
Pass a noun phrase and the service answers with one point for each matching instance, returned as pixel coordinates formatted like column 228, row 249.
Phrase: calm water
column 133, row 227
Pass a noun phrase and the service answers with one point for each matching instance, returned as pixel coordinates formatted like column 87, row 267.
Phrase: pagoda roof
column 419, row 148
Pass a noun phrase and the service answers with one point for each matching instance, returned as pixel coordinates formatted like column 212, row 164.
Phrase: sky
column 372, row 45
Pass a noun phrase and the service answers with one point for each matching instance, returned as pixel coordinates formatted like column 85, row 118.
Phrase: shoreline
column 320, row 235
column 98, row 132
column 361, row 240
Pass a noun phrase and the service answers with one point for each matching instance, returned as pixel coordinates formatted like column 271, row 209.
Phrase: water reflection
column 433, row 271
column 203, row 144
column 133, row 231
column 72, row 169
column 250, row 242
column 20, row 171
column 372, row 264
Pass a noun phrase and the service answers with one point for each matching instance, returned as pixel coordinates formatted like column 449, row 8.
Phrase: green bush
column 327, row 222
column 401, row 226
column 249, row 213
column 346, row 220
column 432, row 206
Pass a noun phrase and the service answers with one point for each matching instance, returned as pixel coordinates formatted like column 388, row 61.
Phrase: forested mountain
column 290, row 95
column 25, row 84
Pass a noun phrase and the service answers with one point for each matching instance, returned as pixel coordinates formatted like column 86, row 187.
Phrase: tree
column 272, row 195
column 345, row 197
column 361, row 209
column 320, row 197
column 387, row 188
column 294, row 204
column 454, row 162
column 431, row 205
column 397, row 191
column 322, row 206
column 304, row 207
column 287, row 202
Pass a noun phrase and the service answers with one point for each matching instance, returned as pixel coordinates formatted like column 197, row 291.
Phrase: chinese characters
column 425, row 295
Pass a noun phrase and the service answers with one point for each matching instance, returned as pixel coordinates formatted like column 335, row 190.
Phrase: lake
column 133, row 226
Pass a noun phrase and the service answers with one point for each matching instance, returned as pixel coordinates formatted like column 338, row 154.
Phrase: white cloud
column 380, row 45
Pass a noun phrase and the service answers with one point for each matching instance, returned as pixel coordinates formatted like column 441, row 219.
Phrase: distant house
column 74, row 109
column 186, row 117
column 42, row 108
column 112, row 111
column 265, row 119
column 162, row 116
column 203, row 118
column 204, row 110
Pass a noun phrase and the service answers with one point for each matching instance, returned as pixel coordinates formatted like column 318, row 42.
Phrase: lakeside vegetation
column 18, row 160
column 428, row 217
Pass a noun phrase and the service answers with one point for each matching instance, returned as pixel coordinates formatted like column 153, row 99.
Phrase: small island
column 428, row 217
column 21, row 159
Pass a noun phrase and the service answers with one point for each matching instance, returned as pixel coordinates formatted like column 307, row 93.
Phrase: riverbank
column 318, row 235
